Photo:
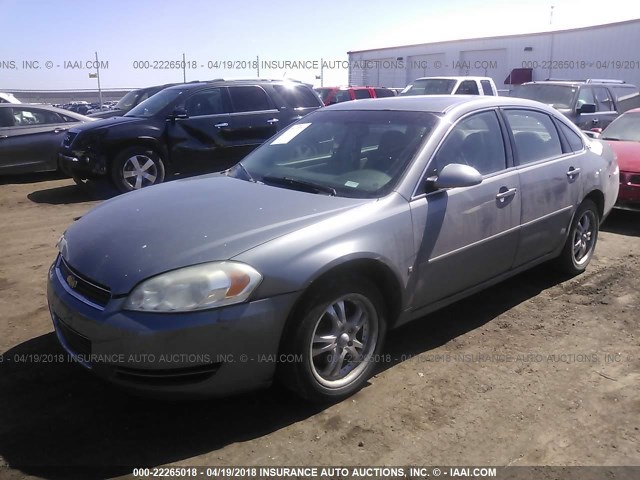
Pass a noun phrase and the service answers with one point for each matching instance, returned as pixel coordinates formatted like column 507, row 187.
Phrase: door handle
column 502, row 195
column 58, row 130
column 573, row 172
column 271, row 121
column 221, row 125
column 3, row 136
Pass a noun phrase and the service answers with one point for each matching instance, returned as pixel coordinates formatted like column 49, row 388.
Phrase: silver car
column 294, row 264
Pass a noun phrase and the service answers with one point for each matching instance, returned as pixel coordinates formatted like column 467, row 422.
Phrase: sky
column 47, row 45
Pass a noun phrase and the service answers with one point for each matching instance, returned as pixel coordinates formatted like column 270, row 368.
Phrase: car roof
column 439, row 104
column 454, row 77
column 576, row 83
column 232, row 81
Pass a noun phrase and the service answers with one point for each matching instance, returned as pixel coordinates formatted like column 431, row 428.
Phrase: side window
column 361, row 93
column 383, row 92
column 575, row 142
column 209, row 102
column 249, row 99
column 536, row 138
column 603, row 100
column 627, row 96
column 475, row 141
column 585, row 95
column 468, row 87
column 6, row 118
column 23, row 117
column 486, row 87
column 342, row 96
column 297, row 96
column 69, row 119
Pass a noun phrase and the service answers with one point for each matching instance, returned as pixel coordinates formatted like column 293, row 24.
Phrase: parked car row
column 171, row 135
column 357, row 218
column 188, row 128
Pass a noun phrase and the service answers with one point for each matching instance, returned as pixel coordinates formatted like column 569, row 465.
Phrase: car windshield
column 626, row 128
column 129, row 100
column 153, row 105
column 430, row 86
column 558, row 96
column 350, row 153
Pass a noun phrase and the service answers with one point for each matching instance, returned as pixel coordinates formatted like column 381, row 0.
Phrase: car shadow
column 89, row 192
column 31, row 178
column 54, row 414
column 622, row 222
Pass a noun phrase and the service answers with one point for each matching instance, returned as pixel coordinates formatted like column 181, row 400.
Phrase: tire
column 581, row 241
column 136, row 168
column 347, row 313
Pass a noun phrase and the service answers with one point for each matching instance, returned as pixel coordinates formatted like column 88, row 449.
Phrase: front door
column 466, row 236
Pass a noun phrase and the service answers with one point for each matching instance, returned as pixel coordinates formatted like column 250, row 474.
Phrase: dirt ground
column 538, row 370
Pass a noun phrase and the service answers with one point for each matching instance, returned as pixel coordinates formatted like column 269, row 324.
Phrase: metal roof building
column 601, row 51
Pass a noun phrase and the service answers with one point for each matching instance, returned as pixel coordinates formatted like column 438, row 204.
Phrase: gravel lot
column 539, row 370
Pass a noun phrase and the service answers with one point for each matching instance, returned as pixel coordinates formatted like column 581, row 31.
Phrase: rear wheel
column 334, row 340
column 136, row 168
column 582, row 238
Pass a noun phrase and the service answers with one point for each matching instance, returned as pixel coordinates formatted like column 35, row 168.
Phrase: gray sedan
column 30, row 136
column 294, row 264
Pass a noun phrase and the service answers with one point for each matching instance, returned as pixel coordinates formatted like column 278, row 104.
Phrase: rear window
column 468, row 87
column 297, row 96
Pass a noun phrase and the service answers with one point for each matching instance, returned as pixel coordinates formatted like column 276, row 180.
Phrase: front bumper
column 87, row 164
column 208, row 353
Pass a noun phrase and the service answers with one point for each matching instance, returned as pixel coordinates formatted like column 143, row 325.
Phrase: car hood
column 108, row 113
column 106, row 123
column 138, row 235
column 628, row 155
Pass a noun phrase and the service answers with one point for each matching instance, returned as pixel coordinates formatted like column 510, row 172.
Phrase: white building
column 610, row 51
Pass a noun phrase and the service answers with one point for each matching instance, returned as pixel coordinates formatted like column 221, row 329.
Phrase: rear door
column 550, row 182
column 466, row 236
column 254, row 118
column 29, row 139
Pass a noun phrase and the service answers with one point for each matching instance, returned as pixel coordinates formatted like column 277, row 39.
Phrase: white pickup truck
column 451, row 85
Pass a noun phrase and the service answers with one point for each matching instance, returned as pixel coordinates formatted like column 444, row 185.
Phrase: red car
column 623, row 134
column 331, row 95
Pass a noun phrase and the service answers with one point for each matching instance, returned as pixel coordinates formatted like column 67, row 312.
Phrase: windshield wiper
column 246, row 172
column 301, row 185
column 611, row 138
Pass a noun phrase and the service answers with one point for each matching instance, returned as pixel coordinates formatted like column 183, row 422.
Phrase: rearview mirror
column 456, row 175
column 587, row 108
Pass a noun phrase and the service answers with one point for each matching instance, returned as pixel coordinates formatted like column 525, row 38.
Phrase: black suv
column 587, row 103
column 131, row 100
column 189, row 128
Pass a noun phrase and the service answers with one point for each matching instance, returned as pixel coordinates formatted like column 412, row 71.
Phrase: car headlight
column 199, row 287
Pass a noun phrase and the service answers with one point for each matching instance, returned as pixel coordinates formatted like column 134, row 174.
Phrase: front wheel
column 581, row 241
column 335, row 341
column 136, row 168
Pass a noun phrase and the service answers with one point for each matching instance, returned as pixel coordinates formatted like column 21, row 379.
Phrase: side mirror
column 456, row 175
column 179, row 113
column 587, row 108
